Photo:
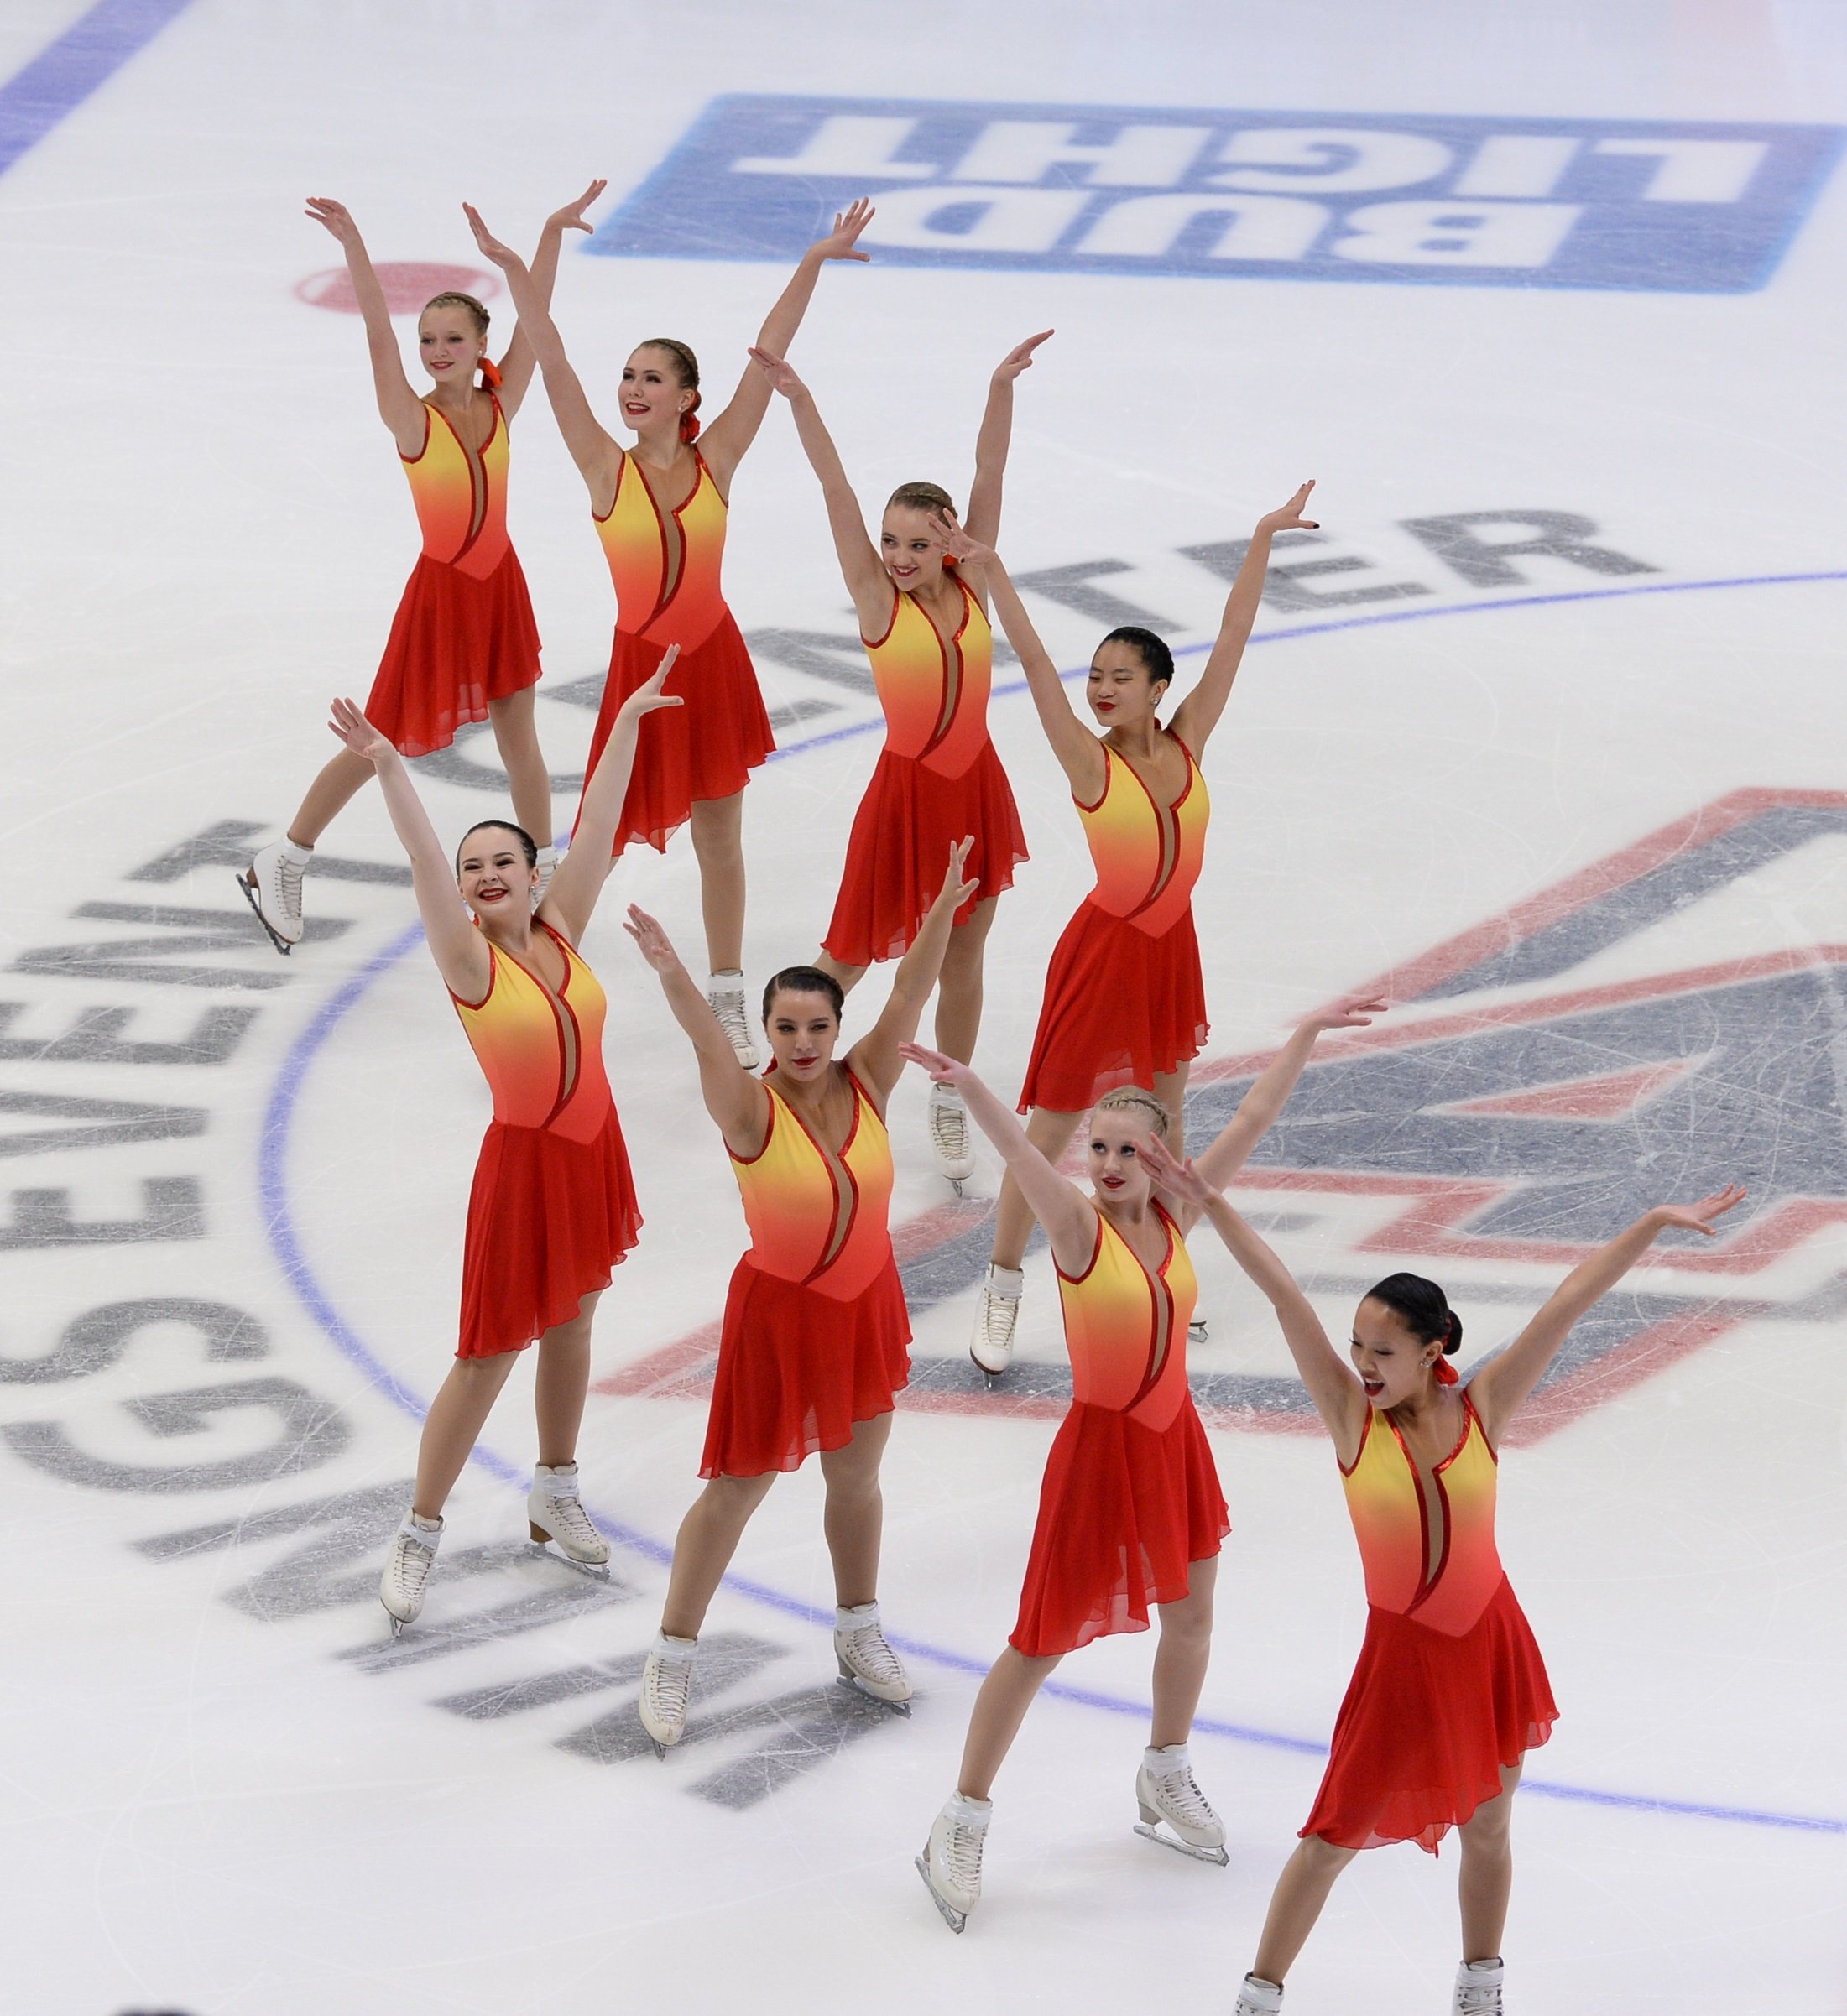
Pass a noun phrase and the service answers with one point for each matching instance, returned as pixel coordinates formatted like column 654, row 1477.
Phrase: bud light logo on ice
column 1687, row 208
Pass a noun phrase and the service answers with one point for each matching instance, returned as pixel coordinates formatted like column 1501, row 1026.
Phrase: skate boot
column 554, row 1512
column 407, row 1569
column 949, row 1135
column 1168, row 1796
column 951, row 1863
column 1258, row 1998
column 547, row 866
column 272, row 887
column 666, row 1687
column 725, row 994
column 867, row 1662
column 1478, row 1988
column 1197, row 1333
column 991, row 1347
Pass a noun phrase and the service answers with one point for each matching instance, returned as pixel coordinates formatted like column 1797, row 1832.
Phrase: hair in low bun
column 1423, row 1308
column 1454, row 1343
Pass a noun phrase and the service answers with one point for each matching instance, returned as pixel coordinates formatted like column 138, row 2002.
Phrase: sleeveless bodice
column 1147, row 856
column 666, row 566
column 934, row 693
column 460, row 494
column 1126, row 1328
column 542, row 1051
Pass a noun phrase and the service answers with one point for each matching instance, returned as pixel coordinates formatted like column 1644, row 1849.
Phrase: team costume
column 816, row 1335
column 937, row 781
column 1449, row 1687
column 553, row 1208
column 1124, row 997
column 1131, row 1495
column 666, row 567
column 464, row 634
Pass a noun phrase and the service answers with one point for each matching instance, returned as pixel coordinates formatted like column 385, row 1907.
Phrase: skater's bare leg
column 453, row 1426
column 718, row 840
column 959, row 990
column 562, row 1383
column 337, row 784
column 1169, row 1088
column 1000, row 1707
column 1487, row 1878
column 1050, row 1133
column 1182, row 1656
column 855, row 1511
column 527, row 777
column 703, row 1549
column 848, row 976
column 1301, row 1892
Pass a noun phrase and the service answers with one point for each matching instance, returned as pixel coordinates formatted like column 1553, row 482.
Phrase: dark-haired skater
column 552, row 1210
column 1124, row 1001
column 816, row 1333
column 1450, row 1692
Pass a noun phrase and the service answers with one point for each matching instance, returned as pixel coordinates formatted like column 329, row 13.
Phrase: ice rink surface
column 1582, row 803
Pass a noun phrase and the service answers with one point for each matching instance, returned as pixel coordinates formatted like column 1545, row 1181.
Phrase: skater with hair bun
column 1130, row 1513
column 1450, row 1692
column 463, row 646
column 925, row 627
column 814, row 1347
column 552, row 1210
column 1124, row 1002
column 660, row 509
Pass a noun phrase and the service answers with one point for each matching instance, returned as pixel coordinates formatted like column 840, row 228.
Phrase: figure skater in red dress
column 925, row 628
column 814, row 1349
column 463, row 646
column 660, row 510
column 1450, row 1692
column 1130, row 1513
column 552, row 1210
column 1124, row 1001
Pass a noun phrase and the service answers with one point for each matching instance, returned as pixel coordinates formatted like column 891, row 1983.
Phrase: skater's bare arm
column 459, row 949
column 992, row 443
column 578, row 880
column 875, row 1059
column 1502, row 1385
column 735, row 1099
column 1197, row 714
column 516, row 366
column 398, row 406
column 1258, row 1110
column 1068, row 1216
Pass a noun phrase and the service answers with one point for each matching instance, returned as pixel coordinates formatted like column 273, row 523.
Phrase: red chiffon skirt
column 799, row 1371
column 704, row 748
column 548, row 1221
column 1120, row 1008
column 456, row 643
column 907, row 822
column 1124, row 1513
column 1428, row 1722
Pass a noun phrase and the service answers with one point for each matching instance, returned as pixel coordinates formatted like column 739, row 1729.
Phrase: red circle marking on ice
column 407, row 284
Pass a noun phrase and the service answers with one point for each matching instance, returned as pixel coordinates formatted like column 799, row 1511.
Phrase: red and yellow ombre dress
column 816, row 1334
column 1130, row 1498
column 553, row 1207
column 1124, row 997
column 666, row 567
column 1449, row 1687
column 464, row 634
column 937, row 781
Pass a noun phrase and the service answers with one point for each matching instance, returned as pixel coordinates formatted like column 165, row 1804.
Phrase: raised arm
column 1258, row 1110
column 398, row 406
column 727, row 437
column 1501, row 1387
column 875, row 1059
column 578, row 880
column 982, row 516
column 516, row 366
column 734, row 1098
column 597, row 454
column 459, row 949
column 1197, row 714
column 1079, row 753
column 867, row 581
column 1068, row 1216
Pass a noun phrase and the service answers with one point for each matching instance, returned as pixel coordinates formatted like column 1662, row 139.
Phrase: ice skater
column 925, row 627
column 814, row 1348
column 660, row 509
column 1130, row 1511
column 463, row 645
column 1450, row 1692
column 1124, row 1000
column 552, row 1210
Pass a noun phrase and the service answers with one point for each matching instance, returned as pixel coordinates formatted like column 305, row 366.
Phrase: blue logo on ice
column 1679, row 208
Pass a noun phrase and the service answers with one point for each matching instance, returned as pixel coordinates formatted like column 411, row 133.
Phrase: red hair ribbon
column 490, row 374
column 1446, row 1373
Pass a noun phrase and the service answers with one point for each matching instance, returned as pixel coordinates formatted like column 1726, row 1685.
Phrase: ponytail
column 490, row 375
column 689, row 425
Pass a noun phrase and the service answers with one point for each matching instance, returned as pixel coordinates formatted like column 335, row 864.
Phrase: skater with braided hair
column 660, row 509
column 1450, row 1692
column 463, row 644
column 1130, row 1513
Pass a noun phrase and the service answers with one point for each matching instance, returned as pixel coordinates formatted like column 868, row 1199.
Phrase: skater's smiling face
column 910, row 549
column 496, row 879
column 450, row 343
column 803, row 1029
column 655, row 390
column 1122, row 691
column 1393, row 1365
column 1118, row 1171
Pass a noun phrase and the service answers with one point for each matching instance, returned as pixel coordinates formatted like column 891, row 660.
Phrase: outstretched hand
column 839, row 242
column 956, row 884
column 1698, row 1217
column 1179, row 1179
column 1289, row 518
column 1350, row 1011
column 780, row 374
column 357, row 732
column 502, row 256
column 334, row 217
column 1020, row 358
column 956, row 543
column 943, row 1071
column 654, row 943
column 648, row 698
column 570, row 217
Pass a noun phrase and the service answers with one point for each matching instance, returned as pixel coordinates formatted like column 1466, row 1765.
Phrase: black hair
column 804, row 980
column 1157, row 661
column 1423, row 1308
column 528, row 845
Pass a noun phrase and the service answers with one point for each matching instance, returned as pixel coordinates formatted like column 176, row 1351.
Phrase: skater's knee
column 1325, row 1859
column 1188, row 1626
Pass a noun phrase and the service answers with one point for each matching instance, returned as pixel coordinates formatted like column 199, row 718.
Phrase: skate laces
column 728, row 1006
column 567, row 1513
column 411, row 1562
column 949, row 1128
column 288, row 885
column 1478, row 1999
column 669, row 1687
column 962, row 1846
column 866, row 1649
column 1179, row 1791
column 999, row 1314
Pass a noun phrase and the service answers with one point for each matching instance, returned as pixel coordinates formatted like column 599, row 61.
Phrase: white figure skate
column 1258, row 1998
column 554, row 1512
column 991, row 1347
column 951, row 1863
column 272, row 887
column 867, row 1662
column 666, row 1689
column 1478, row 1988
column 407, row 1569
column 1169, row 1798
column 949, row 1137
column 727, row 1003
